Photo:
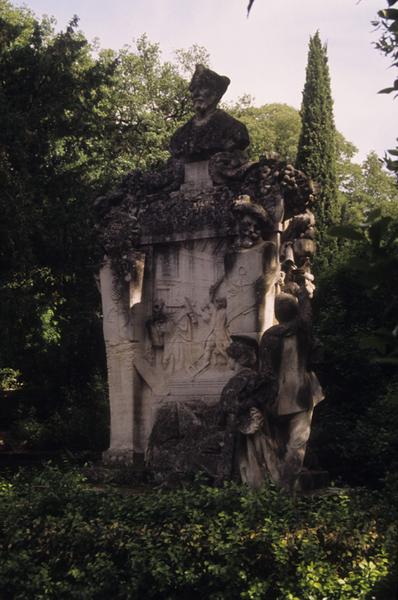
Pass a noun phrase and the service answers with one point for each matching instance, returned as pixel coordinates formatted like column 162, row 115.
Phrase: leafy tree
column 357, row 319
column 380, row 186
column 145, row 102
column 388, row 42
column 367, row 187
column 276, row 128
column 187, row 59
column 70, row 124
column 50, row 139
column 272, row 127
column 317, row 148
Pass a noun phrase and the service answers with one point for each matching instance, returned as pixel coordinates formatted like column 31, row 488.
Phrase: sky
column 264, row 55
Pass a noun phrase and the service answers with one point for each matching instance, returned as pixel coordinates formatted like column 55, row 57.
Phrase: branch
column 251, row 2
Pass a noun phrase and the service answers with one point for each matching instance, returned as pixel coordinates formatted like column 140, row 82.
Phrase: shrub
column 78, row 419
column 62, row 539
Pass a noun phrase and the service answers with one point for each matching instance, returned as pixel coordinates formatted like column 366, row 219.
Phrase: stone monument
column 202, row 258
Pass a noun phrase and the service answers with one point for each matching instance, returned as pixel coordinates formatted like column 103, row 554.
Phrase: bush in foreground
column 61, row 538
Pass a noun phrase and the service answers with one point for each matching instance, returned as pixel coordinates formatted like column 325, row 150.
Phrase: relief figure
column 218, row 337
column 251, row 267
column 177, row 353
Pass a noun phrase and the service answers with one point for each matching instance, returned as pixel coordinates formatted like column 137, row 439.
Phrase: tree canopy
column 272, row 127
column 71, row 122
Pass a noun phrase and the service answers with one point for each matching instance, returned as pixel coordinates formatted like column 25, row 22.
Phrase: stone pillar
column 121, row 373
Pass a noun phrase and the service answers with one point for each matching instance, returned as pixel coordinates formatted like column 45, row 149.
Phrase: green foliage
column 272, row 127
column 70, row 541
column 371, row 268
column 317, row 148
column 71, row 123
column 47, row 292
column 78, row 422
column 9, row 380
column 381, row 188
column 356, row 317
column 143, row 105
column 367, row 188
column 188, row 59
column 380, row 450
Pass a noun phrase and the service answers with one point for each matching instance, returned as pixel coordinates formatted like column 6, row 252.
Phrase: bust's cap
column 204, row 77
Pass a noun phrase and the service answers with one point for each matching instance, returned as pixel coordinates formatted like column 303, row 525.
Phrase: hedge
column 62, row 538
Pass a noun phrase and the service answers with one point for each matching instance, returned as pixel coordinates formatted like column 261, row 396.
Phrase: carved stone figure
column 227, row 167
column 211, row 130
column 177, row 355
column 218, row 337
column 250, row 271
column 195, row 253
column 248, row 452
column 288, row 349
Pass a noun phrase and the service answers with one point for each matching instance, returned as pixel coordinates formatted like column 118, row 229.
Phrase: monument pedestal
column 170, row 345
column 113, row 457
column 198, row 253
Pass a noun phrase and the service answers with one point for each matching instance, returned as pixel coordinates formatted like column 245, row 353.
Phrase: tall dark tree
column 316, row 154
column 71, row 123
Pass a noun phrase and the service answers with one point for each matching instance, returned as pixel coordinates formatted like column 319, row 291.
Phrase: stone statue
column 177, row 354
column 196, row 255
column 251, row 266
column 288, row 350
column 211, row 130
column 248, row 452
column 217, row 339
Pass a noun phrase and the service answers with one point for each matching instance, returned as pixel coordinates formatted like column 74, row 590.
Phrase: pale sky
column 264, row 55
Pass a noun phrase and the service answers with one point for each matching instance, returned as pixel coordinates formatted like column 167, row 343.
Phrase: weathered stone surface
column 185, row 439
column 112, row 457
column 211, row 130
column 286, row 349
column 195, row 207
column 195, row 255
column 227, row 167
column 197, row 177
column 199, row 141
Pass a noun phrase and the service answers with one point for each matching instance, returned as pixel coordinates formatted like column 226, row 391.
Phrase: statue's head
column 207, row 89
column 286, row 307
column 253, row 221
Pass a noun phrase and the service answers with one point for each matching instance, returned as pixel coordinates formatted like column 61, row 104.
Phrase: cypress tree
column 316, row 154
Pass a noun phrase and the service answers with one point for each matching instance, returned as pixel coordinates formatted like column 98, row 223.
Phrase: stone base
column 185, row 440
column 118, row 457
column 196, row 177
